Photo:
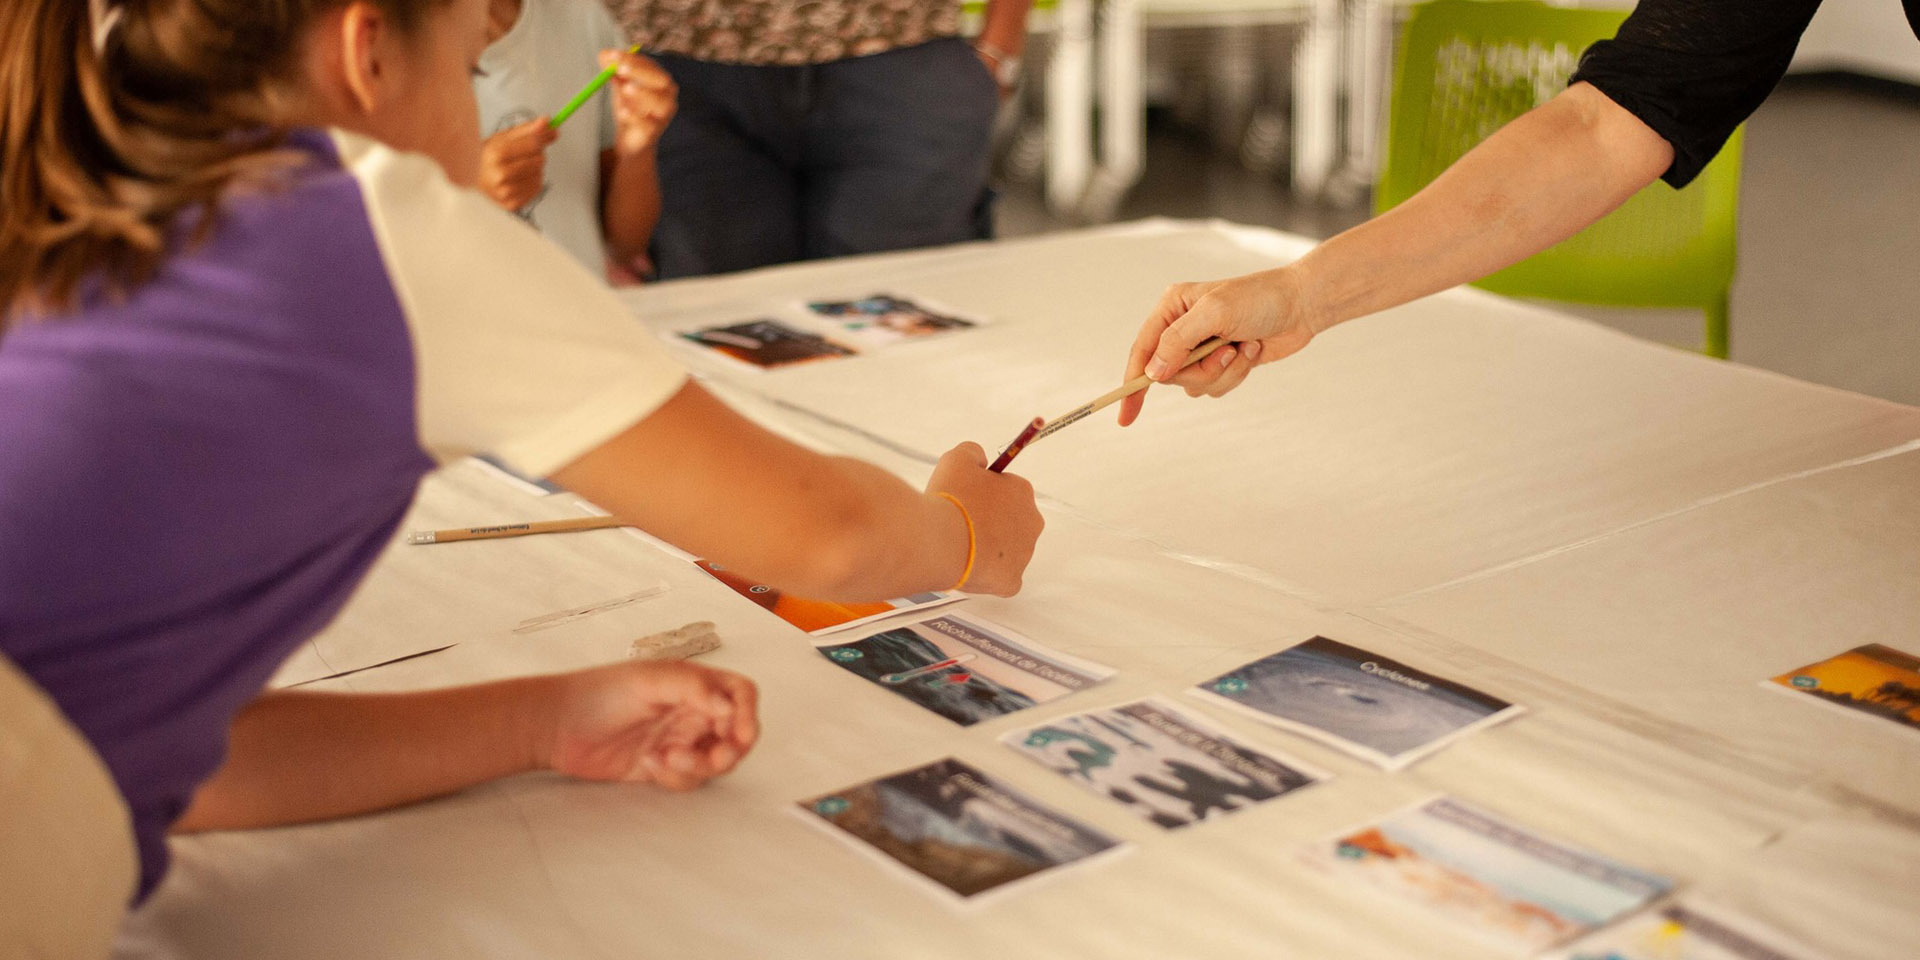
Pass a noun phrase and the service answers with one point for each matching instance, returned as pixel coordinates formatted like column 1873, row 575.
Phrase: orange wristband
column 972, row 543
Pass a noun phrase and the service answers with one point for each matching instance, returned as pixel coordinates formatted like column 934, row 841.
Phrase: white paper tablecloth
column 1623, row 538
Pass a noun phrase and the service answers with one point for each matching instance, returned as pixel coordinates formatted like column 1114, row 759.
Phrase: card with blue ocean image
column 952, row 825
column 1163, row 765
column 964, row 669
column 1375, row 708
column 1500, row 881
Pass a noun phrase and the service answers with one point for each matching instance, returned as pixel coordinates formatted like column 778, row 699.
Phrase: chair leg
column 1717, row 329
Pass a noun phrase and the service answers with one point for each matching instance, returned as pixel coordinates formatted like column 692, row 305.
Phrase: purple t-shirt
column 192, row 480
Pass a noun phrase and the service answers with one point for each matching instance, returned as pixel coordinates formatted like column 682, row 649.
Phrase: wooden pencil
column 514, row 529
column 1040, row 429
column 1121, row 392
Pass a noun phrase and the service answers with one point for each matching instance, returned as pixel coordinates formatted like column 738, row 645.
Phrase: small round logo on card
column 1805, row 683
column 844, row 654
column 831, row 806
column 1230, row 685
column 759, row 588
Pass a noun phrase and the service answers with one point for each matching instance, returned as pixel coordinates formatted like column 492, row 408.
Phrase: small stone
column 680, row 643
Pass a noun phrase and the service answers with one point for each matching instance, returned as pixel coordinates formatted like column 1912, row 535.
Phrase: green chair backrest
column 1466, row 68
column 974, row 8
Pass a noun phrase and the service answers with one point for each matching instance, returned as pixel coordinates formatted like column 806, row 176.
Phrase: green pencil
column 586, row 93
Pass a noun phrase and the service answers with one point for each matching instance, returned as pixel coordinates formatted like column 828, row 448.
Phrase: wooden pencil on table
column 513, row 529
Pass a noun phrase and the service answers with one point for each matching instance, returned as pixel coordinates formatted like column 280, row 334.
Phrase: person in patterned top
column 821, row 128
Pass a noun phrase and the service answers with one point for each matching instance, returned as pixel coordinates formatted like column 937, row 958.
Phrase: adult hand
column 1006, row 521
column 674, row 724
column 644, row 100
column 1263, row 314
column 513, row 163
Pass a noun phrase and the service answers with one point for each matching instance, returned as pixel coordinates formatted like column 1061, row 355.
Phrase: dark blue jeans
column 772, row 164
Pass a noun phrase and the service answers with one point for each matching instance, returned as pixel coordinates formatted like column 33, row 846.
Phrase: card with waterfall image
column 955, row 827
column 1500, row 881
column 964, row 669
column 1165, row 766
column 1375, row 708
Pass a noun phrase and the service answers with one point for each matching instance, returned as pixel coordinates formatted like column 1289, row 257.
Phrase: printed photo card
column 819, row 617
column 964, row 669
column 767, row 343
column 956, row 828
column 1870, row 681
column 1372, row 707
column 1685, row 932
column 1502, row 882
column 1163, row 765
column 882, row 319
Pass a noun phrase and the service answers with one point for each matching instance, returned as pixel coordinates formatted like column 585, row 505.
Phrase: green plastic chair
column 1465, row 68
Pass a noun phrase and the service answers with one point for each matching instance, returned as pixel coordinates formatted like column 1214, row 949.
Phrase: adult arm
column 296, row 756
column 1659, row 99
column 1535, row 182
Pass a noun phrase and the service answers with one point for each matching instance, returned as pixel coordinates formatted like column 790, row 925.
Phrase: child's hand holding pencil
column 644, row 100
column 513, row 163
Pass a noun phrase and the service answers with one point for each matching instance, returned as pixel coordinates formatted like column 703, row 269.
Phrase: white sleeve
column 519, row 351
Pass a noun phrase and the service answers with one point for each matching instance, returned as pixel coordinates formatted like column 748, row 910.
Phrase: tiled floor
column 1829, row 282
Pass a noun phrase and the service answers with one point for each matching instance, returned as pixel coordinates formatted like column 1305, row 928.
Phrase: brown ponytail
column 101, row 151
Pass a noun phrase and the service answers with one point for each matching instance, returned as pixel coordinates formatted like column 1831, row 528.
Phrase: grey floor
column 1829, row 282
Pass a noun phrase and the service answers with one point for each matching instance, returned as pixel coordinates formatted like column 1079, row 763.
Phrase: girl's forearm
column 296, row 757
column 630, row 203
column 707, row 480
column 1535, row 182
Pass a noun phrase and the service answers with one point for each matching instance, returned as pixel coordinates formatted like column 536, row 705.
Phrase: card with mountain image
column 964, row 668
column 957, row 828
column 1165, row 766
column 1373, row 707
column 1500, row 881
column 1869, row 681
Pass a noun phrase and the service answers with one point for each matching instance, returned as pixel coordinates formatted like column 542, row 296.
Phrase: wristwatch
column 1006, row 66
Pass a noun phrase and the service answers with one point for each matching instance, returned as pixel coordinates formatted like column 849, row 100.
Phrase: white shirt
column 532, row 71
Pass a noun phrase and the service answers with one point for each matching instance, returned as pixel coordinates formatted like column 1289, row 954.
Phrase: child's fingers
column 745, row 698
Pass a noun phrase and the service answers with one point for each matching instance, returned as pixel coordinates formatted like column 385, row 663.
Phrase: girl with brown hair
column 248, row 302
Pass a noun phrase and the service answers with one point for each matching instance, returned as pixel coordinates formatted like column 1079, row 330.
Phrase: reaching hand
column 644, row 100
column 1006, row 522
column 513, row 163
column 673, row 724
column 1259, row 312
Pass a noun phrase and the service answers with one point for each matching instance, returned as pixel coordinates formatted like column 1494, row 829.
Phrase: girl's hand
column 644, row 100
column 674, row 724
column 1262, row 313
column 513, row 163
column 1006, row 522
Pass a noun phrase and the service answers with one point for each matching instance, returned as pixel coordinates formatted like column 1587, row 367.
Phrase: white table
column 1623, row 537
